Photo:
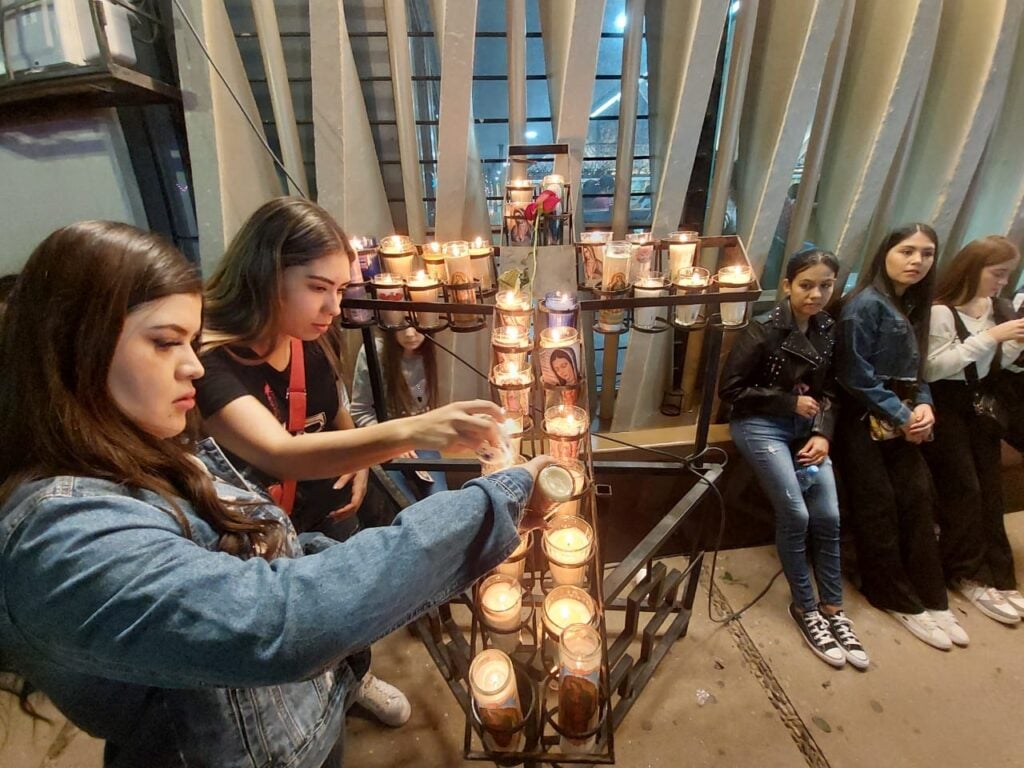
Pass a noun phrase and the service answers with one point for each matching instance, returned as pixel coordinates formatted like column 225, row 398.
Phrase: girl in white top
column 969, row 327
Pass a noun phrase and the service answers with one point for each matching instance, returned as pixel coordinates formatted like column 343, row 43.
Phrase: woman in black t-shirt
column 280, row 280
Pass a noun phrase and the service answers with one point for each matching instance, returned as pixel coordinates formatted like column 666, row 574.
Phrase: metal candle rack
column 656, row 609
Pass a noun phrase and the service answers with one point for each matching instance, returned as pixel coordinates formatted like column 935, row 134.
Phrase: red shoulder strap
column 296, row 414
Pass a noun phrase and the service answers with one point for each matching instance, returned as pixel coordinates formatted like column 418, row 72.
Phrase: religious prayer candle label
column 579, row 674
column 493, row 683
column 642, row 254
column 559, row 357
column 591, row 250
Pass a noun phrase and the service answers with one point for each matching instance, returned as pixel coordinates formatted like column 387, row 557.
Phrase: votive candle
column 732, row 280
column 389, row 288
column 398, row 253
column 649, row 286
column 690, row 280
column 567, row 543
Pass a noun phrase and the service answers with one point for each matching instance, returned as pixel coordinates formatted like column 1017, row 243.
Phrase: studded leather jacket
column 773, row 362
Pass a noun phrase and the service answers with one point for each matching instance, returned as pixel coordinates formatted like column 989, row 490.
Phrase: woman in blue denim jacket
column 780, row 380
column 886, row 414
column 176, row 616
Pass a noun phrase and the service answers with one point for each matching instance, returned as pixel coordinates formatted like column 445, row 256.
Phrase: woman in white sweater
column 972, row 336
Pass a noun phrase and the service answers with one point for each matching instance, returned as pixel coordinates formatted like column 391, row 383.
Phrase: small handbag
column 985, row 399
column 283, row 492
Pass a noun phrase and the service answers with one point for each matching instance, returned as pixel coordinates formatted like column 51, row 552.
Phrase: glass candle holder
column 555, row 182
column 355, row 290
column 690, row 280
column 423, row 288
column 565, row 428
column 615, row 265
column 433, row 262
column 511, row 344
column 500, row 602
column 460, row 278
column 590, row 254
column 515, row 564
column 568, row 544
column 389, row 287
column 560, row 309
column 641, row 255
column 514, row 427
column 579, row 687
column 649, row 286
column 368, row 256
column 518, row 229
column 492, row 681
column 565, row 497
column 733, row 280
column 682, row 252
column 559, row 357
column 481, row 259
column 513, row 308
column 513, row 384
column 398, row 253
column 566, row 605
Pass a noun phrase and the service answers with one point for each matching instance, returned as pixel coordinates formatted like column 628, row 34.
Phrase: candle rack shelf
column 655, row 609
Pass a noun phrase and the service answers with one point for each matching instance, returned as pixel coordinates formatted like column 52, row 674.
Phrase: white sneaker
column 1014, row 598
column 947, row 623
column 383, row 701
column 923, row 627
column 989, row 601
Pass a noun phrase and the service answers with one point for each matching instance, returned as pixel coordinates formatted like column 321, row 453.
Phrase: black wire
column 255, row 129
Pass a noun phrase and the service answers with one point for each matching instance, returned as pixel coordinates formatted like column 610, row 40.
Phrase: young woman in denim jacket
column 886, row 414
column 174, row 615
column 965, row 455
column 780, row 381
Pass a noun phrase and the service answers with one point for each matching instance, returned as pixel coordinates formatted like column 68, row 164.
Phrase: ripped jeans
column 768, row 444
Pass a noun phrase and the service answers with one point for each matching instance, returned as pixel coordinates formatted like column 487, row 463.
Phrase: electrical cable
column 238, row 103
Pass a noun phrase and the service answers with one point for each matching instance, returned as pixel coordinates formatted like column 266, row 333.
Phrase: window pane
column 607, row 94
column 537, row 102
column 602, row 136
column 538, row 132
column 492, row 140
column 614, row 16
column 490, row 99
column 489, row 56
column 535, row 56
column 609, row 56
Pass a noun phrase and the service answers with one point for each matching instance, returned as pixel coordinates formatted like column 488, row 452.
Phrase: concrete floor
column 775, row 705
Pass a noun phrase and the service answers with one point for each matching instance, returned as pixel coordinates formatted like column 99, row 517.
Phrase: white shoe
column 383, row 701
column 923, row 627
column 989, row 601
column 1014, row 598
column 947, row 623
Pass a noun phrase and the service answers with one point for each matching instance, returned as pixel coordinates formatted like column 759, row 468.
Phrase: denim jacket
column 877, row 347
column 770, row 361
column 180, row 655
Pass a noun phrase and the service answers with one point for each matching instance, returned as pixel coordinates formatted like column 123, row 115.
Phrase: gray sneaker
column 989, row 601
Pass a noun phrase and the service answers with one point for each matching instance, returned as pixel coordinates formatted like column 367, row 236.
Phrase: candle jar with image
column 513, row 386
column 589, row 257
column 481, row 261
column 511, row 344
column 614, row 284
column 559, row 356
column 642, row 250
column 513, row 308
column 368, row 256
column 492, row 681
column 565, row 431
column 389, row 287
column 462, row 288
column 689, row 281
column 433, row 261
column 734, row 279
column 579, row 688
column 398, row 254
column 568, row 544
column 555, row 223
column 519, row 193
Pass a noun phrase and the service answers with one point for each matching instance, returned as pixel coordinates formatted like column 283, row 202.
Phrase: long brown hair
column 396, row 389
column 960, row 278
column 57, row 417
column 243, row 297
column 916, row 301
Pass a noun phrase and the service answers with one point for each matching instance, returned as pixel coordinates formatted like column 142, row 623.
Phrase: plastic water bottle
column 805, row 476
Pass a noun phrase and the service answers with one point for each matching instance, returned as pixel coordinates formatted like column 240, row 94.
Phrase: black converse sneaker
column 818, row 636
column 842, row 631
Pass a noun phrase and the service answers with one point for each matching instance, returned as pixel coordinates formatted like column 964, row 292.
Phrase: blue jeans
column 768, row 444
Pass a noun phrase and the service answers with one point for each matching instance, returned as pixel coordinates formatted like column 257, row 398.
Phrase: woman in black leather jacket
column 780, row 381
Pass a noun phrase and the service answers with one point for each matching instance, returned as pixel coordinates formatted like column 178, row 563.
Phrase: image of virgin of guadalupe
column 560, row 368
column 591, row 263
column 520, row 230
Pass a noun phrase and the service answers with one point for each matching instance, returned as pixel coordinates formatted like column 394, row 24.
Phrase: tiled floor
column 914, row 707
